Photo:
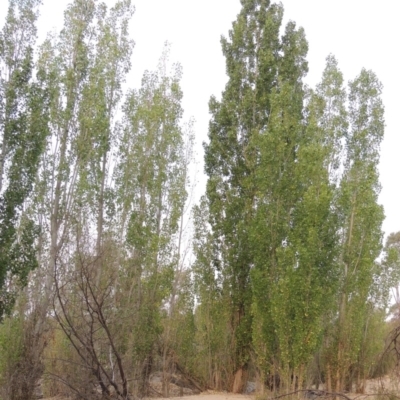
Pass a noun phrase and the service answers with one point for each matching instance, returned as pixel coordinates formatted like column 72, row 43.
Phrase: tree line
column 279, row 275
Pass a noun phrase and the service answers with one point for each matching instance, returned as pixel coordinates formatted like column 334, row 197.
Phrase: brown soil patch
column 212, row 396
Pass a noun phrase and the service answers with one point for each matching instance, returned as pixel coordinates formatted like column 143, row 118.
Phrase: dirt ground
column 211, row 396
column 202, row 396
column 373, row 386
column 385, row 384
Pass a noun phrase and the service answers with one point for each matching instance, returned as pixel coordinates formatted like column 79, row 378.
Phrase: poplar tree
column 64, row 61
column 212, row 316
column 254, row 135
column 151, row 179
column 23, row 104
column 332, row 122
column 294, row 229
column 84, row 68
column 360, row 222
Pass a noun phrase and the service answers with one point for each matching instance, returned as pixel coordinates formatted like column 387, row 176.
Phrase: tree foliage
column 278, row 275
column 23, row 104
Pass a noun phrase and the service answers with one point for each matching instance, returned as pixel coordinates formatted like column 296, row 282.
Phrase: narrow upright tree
column 85, row 67
column 254, row 135
column 22, row 137
column 360, row 221
column 294, row 230
column 151, row 194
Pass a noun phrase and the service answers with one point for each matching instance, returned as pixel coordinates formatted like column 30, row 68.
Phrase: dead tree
column 87, row 324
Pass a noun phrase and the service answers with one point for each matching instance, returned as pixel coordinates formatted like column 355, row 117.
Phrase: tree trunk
column 328, row 378
column 240, row 380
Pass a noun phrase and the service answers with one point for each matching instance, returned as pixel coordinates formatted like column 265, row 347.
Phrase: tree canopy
column 112, row 279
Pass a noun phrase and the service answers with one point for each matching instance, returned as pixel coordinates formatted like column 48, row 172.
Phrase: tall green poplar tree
column 251, row 64
column 294, row 229
column 360, row 221
column 97, row 138
column 151, row 179
column 212, row 316
column 65, row 62
column 332, row 121
column 86, row 67
column 22, row 137
column 254, row 134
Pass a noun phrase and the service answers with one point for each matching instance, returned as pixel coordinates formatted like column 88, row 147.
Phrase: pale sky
column 360, row 33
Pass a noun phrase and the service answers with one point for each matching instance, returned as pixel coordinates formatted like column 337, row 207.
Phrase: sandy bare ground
column 211, row 396
column 201, row 396
column 231, row 396
column 373, row 386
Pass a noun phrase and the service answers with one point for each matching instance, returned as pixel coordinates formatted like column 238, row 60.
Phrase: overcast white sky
column 360, row 33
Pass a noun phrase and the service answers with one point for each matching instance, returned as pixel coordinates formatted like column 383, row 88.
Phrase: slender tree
column 151, row 182
column 86, row 68
column 213, row 341
column 23, row 103
column 332, row 121
column 252, row 58
column 360, row 220
column 294, row 231
column 255, row 178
